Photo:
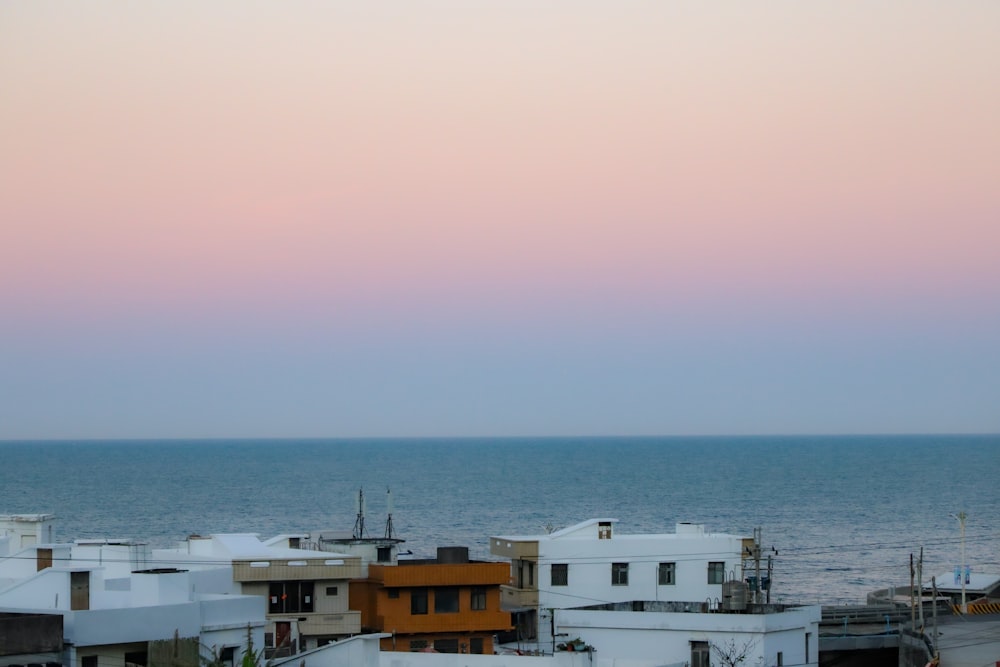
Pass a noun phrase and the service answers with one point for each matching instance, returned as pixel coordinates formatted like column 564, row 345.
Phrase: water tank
column 452, row 555
column 734, row 595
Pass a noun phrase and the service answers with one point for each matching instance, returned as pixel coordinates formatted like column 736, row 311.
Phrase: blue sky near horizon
column 442, row 219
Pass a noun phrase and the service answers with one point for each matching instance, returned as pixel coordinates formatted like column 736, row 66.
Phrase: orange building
column 448, row 604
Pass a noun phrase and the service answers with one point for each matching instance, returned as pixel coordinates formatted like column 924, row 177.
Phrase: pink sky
column 537, row 167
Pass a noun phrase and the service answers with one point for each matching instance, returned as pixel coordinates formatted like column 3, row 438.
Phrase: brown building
column 448, row 604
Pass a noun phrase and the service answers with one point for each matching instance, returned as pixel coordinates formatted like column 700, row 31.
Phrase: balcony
column 512, row 598
column 322, row 623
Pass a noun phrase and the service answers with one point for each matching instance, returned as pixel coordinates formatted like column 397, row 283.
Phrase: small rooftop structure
column 25, row 530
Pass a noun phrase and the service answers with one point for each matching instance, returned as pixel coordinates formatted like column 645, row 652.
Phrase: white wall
column 666, row 637
column 118, row 559
column 130, row 624
column 357, row 651
column 46, row 590
column 589, row 568
column 23, row 563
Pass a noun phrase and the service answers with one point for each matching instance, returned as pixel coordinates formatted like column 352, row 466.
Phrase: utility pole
column 913, row 618
column 770, row 576
column 934, row 612
column 920, row 587
column 756, row 558
column 961, row 522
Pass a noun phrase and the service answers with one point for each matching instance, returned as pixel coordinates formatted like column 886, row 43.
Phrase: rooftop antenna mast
column 388, row 521
column 359, row 522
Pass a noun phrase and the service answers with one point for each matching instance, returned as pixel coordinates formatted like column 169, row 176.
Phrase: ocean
column 840, row 514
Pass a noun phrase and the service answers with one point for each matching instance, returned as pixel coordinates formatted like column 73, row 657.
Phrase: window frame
column 559, row 574
column 291, row 597
column 716, row 572
column 446, row 600
column 619, row 574
column 668, row 568
column 418, row 602
column 477, row 598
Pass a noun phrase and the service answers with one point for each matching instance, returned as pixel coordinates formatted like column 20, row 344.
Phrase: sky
column 459, row 218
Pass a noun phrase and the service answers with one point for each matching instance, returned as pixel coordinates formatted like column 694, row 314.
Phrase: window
column 619, row 574
column 89, row 661
column 808, row 634
column 446, row 601
column 417, row 645
column 666, row 574
column 418, row 602
column 716, row 572
column 384, row 554
column 393, row 593
column 476, row 645
column 135, row 658
column 699, row 654
column 446, row 645
column 477, row 601
column 560, row 574
column 604, row 530
column 331, row 591
column 781, row 659
column 287, row 597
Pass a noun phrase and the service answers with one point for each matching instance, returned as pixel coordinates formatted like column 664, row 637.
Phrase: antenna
column 388, row 521
column 359, row 522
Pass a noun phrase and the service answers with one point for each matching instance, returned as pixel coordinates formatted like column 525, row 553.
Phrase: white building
column 306, row 591
column 590, row 563
column 133, row 619
column 665, row 633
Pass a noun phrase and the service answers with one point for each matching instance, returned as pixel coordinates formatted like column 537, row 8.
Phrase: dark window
column 446, row 645
column 294, row 542
column 781, row 659
column 418, row 644
column 476, row 645
column 716, row 572
column 560, row 574
column 227, row 655
column 619, row 574
column 477, row 600
column 137, row 658
column 89, row 661
column 418, row 601
column 667, row 574
column 384, row 554
column 331, row 591
column 393, row 593
column 445, row 600
column 288, row 597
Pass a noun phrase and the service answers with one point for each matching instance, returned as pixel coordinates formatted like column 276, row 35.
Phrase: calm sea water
column 843, row 513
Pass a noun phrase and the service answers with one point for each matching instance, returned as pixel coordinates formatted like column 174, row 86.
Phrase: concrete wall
column 30, row 633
